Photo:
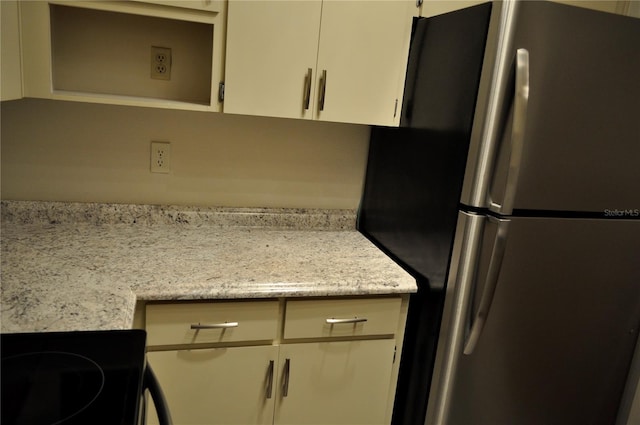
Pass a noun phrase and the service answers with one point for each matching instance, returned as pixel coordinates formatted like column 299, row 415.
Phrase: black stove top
column 88, row 377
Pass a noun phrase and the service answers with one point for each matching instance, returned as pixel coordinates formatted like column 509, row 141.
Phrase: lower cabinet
column 231, row 385
column 317, row 361
column 345, row 382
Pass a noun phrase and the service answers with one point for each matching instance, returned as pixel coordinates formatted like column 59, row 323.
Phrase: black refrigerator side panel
column 420, row 176
column 410, row 201
column 443, row 71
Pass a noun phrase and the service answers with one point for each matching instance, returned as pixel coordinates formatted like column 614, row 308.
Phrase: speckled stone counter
column 82, row 266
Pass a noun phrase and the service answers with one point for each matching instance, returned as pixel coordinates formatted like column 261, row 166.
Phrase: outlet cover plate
column 160, row 157
column 161, row 63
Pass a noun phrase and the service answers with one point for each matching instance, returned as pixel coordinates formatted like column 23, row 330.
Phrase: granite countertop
column 83, row 266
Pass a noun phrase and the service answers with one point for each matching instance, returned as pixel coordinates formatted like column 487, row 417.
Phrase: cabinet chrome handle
column 285, row 378
column 224, row 325
column 307, row 89
column 270, row 379
column 323, row 89
column 333, row 321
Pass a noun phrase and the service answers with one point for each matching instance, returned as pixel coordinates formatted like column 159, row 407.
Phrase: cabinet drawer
column 333, row 318
column 193, row 323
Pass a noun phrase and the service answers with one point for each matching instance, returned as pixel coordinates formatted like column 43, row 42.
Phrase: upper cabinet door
column 363, row 54
column 11, row 73
column 271, row 57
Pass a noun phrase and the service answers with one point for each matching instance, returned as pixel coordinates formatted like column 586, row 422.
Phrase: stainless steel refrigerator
column 511, row 192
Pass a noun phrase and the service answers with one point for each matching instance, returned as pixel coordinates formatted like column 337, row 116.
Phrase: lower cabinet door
column 346, row 382
column 217, row 386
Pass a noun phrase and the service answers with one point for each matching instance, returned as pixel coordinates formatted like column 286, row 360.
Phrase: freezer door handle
column 491, row 282
column 518, row 125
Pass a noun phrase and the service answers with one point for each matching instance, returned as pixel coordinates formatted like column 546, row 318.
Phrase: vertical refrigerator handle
column 491, row 282
column 520, row 106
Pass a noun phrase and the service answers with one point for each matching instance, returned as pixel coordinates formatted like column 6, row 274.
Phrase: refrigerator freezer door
column 582, row 136
column 560, row 331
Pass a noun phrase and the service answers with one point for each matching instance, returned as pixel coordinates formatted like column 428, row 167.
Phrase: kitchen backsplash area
column 79, row 152
column 70, row 213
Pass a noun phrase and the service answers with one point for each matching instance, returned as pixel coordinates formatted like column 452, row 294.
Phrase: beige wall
column 71, row 151
column 623, row 7
column 612, row 6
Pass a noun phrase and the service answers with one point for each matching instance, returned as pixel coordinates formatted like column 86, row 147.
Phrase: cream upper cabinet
column 10, row 61
column 341, row 61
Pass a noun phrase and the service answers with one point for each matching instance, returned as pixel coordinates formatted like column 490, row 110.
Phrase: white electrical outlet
column 160, row 157
column 160, row 63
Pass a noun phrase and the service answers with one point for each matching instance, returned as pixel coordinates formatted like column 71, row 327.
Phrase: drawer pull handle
column 270, row 379
column 333, row 321
column 224, row 325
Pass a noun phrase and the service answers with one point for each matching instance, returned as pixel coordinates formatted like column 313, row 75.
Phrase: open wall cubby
column 103, row 52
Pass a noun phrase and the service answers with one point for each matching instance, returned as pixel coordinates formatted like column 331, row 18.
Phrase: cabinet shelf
column 114, row 99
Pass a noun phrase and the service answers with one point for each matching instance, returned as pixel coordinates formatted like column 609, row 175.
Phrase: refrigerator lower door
column 544, row 328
